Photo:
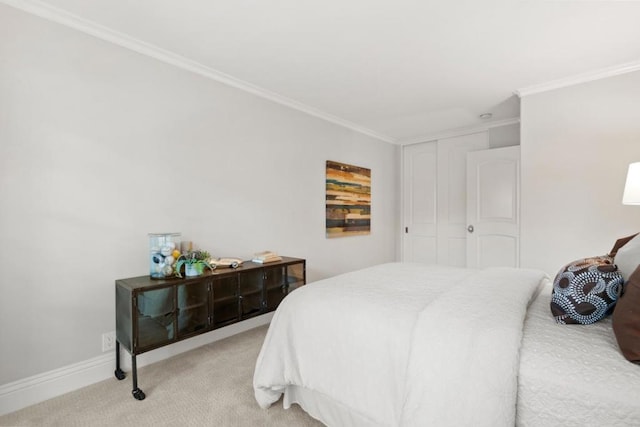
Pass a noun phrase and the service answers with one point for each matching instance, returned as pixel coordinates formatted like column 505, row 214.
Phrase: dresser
column 152, row 313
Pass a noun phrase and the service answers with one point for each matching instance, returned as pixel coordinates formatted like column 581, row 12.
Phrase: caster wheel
column 138, row 394
column 119, row 374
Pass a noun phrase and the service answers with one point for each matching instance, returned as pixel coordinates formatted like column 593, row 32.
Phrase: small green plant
column 199, row 260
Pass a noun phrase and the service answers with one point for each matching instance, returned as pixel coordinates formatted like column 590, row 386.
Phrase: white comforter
column 400, row 345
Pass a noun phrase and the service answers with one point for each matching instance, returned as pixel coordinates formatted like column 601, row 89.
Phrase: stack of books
column 265, row 257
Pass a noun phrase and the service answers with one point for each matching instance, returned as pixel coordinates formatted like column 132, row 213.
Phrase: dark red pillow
column 620, row 243
column 626, row 318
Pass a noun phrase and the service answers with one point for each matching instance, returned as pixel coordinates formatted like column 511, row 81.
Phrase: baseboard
column 25, row 392
column 29, row 391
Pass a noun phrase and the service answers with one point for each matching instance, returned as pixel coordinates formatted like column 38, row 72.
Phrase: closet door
column 419, row 203
column 493, row 236
column 452, row 196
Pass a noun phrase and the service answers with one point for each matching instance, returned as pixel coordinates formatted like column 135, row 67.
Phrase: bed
column 405, row 344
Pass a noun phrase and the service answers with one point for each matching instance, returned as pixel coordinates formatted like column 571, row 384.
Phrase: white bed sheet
column 400, row 344
column 574, row 375
column 353, row 346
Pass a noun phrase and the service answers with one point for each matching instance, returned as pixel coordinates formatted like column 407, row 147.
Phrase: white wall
column 576, row 145
column 504, row 136
column 100, row 146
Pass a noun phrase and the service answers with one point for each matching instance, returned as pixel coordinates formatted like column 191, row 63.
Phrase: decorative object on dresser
column 266, row 257
column 194, row 263
column 154, row 313
column 226, row 262
column 163, row 253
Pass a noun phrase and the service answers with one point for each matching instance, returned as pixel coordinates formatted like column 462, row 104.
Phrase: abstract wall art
column 348, row 200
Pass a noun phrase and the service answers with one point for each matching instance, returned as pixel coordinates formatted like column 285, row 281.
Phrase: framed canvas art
column 348, row 200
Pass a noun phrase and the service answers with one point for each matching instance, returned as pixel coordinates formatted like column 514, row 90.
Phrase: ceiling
column 398, row 70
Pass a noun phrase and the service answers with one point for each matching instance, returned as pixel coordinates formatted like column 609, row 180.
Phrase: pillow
column 628, row 257
column 626, row 319
column 620, row 243
column 585, row 290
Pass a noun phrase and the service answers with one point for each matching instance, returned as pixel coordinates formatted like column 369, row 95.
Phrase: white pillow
column 628, row 257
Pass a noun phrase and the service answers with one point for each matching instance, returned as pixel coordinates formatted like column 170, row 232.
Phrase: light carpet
column 208, row 386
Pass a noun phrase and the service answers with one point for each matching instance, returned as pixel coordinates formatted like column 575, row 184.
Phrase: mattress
column 574, row 375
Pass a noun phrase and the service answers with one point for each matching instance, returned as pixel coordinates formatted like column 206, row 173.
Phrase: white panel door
column 419, row 199
column 493, row 208
column 452, row 196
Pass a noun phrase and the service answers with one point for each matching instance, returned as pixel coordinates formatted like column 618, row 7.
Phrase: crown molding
column 94, row 29
column 459, row 131
column 580, row 78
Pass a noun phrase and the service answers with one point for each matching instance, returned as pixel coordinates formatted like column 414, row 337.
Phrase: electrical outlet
column 108, row 341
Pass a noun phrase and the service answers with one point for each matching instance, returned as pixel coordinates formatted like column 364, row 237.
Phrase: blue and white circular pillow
column 585, row 290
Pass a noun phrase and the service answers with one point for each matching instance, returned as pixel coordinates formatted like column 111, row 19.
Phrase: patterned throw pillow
column 585, row 291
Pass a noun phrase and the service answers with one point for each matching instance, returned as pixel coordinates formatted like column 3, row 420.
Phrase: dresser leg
column 118, row 372
column 137, row 393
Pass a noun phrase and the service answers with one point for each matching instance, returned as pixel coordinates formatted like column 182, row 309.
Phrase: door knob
column 470, row 229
